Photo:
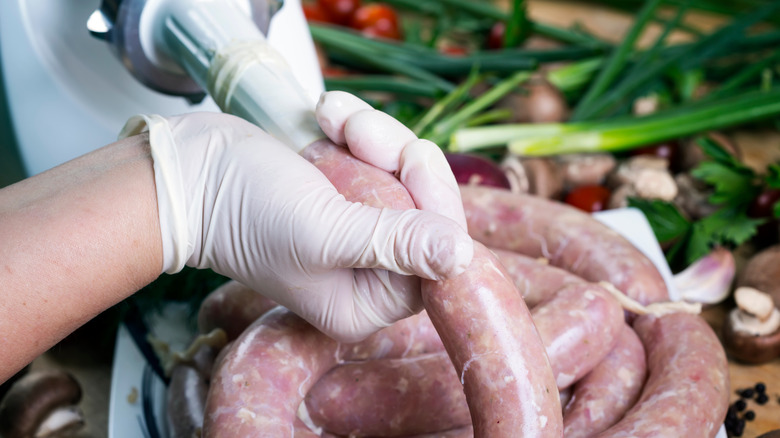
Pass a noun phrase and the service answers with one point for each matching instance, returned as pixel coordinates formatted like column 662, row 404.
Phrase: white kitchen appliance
column 69, row 92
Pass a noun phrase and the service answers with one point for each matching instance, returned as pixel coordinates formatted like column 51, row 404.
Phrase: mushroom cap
column 749, row 348
column 762, row 272
column 32, row 398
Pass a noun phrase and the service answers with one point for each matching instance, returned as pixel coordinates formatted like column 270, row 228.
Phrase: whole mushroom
column 762, row 272
column 40, row 404
column 751, row 332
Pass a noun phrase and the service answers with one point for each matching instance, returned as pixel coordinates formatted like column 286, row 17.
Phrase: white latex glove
column 234, row 199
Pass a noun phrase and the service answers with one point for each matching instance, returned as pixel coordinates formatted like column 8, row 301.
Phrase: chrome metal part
column 118, row 22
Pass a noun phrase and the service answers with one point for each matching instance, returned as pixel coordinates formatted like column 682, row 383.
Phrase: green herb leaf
column 730, row 226
column 729, row 184
column 772, row 177
column 733, row 182
column 664, row 218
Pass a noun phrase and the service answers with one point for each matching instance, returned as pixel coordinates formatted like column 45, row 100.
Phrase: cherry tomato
column 589, row 198
column 315, row 13
column 341, row 11
column 377, row 20
column 495, row 39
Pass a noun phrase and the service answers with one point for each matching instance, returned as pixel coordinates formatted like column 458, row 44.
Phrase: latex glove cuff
column 171, row 205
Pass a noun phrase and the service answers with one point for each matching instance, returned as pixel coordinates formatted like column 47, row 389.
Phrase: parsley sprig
column 734, row 188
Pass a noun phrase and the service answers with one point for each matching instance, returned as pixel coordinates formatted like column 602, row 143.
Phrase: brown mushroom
column 762, row 272
column 538, row 102
column 586, row 169
column 537, row 176
column 692, row 154
column 40, row 404
column 751, row 332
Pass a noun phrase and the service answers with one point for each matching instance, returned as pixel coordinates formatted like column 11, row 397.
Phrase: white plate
column 127, row 420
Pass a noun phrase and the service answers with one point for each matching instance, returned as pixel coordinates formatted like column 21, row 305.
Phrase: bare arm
column 74, row 241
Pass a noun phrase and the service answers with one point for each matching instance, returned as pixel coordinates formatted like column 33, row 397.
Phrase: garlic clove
column 708, row 280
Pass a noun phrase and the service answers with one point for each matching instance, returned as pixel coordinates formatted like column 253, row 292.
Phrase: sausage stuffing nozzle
column 192, row 48
column 128, row 26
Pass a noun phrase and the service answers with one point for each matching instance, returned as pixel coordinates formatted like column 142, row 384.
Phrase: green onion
column 446, row 103
column 686, row 57
column 615, row 63
column 518, row 26
column 440, row 132
column 389, row 84
column 623, row 133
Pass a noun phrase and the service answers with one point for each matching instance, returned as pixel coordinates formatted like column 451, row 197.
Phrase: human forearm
column 74, row 241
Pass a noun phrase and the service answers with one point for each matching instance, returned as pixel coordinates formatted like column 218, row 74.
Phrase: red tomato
column 589, row 198
column 314, row 13
column 340, row 10
column 495, row 39
column 377, row 20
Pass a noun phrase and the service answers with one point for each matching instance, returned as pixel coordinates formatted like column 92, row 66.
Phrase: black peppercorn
column 749, row 415
column 760, row 388
column 762, row 399
column 747, row 393
column 740, row 405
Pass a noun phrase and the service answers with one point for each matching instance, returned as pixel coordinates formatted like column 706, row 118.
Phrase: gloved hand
column 234, row 199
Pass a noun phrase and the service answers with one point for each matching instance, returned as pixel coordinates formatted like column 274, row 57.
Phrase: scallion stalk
column 441, row 131
column 622, row 133
column 389, row 84
column 615, row 63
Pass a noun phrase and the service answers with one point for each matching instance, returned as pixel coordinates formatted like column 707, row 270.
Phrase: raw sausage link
column 482, row 320
column 280, row 357
column 186, row 395
column 488, row 333
column 262, row 379
column 534, row 277
column 567, row 237
column 508, row 380
column 577, row 329
column 602, row 397
column 580, row 324
column 390, row 397
column 232, row 307
column 687, row 389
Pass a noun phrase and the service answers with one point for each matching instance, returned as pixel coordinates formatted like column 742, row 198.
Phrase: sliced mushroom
column 40, row 404
column 751, row 332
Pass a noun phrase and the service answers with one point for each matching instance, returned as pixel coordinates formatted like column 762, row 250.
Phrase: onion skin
column 472, row 169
